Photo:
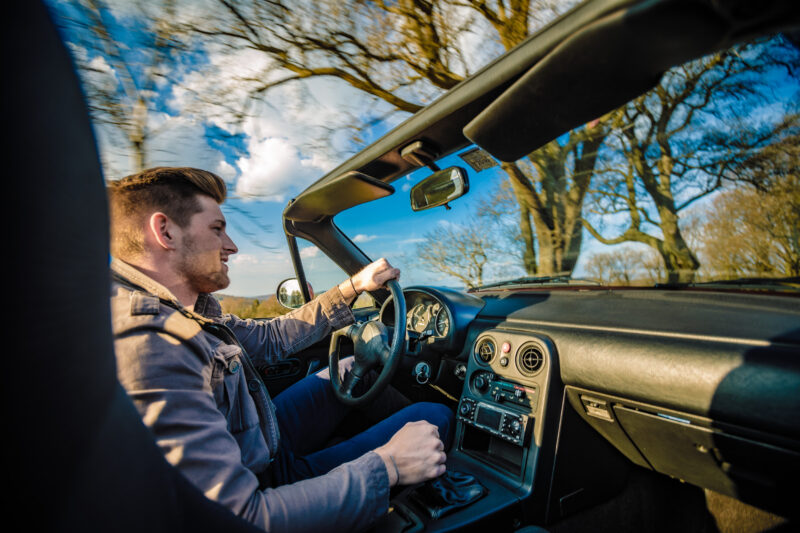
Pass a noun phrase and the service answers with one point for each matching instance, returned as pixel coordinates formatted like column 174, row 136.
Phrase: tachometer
column 442, row 324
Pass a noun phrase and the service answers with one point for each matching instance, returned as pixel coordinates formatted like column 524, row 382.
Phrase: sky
column 273, row 153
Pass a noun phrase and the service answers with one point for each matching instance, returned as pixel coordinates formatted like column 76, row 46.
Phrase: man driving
column 190, row 371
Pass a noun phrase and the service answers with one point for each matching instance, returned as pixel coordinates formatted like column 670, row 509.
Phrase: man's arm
column 271, row 340
column 169, row 383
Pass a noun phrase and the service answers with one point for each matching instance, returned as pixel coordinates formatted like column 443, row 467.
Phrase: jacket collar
column 207, row 307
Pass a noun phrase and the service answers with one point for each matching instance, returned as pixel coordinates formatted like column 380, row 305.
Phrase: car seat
column 80, row 459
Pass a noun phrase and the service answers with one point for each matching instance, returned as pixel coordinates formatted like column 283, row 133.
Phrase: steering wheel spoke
column 374, row 345
column 350, row 382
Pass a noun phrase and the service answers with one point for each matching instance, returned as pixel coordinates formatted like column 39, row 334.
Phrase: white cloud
column 99, row 64
column 311, row 251
column 273, row 170
column 364, row 238
column 181, row 141
column 220, row 81
column 226, row 171
column 283, row 152
column 245, row 259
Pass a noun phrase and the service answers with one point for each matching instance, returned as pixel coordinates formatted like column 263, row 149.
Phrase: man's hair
column 170, row 190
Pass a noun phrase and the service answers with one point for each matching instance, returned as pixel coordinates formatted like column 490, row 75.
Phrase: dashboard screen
column 489, row 417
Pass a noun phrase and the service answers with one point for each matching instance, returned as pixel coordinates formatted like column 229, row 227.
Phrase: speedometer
column 442, row 322
column 418, row 318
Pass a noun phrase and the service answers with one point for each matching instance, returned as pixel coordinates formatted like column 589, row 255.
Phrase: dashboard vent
column 485, row 350
column 530, row 359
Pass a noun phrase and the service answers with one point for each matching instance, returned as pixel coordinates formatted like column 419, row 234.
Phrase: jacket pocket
column 226, row 371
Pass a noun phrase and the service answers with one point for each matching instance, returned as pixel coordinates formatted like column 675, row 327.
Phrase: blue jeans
column 309, row 414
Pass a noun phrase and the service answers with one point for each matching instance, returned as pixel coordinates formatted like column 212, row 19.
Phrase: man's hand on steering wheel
column 372, row 346
column 374, row 276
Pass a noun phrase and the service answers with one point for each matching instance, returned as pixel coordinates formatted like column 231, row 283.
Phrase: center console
column 499, row 433
column 501, row 408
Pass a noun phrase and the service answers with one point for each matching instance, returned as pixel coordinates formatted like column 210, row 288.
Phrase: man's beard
column 201, row 280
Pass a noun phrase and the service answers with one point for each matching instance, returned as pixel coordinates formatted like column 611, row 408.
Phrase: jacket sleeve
column 274, row 339
column 169, row 383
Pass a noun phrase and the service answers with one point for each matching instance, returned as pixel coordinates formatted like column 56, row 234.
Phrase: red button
column 506, row 347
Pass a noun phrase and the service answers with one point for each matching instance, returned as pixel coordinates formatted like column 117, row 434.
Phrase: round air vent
column 530, row 359
column 485, row 350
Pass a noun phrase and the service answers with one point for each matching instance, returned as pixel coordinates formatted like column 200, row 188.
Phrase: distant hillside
column 265, row 306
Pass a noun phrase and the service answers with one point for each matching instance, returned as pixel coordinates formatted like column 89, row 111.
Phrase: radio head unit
column 503, row 423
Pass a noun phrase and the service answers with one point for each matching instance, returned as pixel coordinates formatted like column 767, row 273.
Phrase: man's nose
column 230, row 245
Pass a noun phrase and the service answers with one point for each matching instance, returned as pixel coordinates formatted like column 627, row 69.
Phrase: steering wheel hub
column 370, row 344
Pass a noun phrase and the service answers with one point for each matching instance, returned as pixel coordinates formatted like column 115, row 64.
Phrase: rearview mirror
column 290, row 295
column 439, row 188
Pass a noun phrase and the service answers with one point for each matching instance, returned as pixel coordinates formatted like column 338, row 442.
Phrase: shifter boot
column 450, row 491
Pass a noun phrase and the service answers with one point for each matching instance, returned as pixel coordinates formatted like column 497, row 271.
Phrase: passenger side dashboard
column 701, row 387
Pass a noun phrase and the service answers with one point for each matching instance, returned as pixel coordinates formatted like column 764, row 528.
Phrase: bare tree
column 752, row 231
column 626, row 266
column 550, row 188
column 121, row 75
column 656, row 164
column 459, row 251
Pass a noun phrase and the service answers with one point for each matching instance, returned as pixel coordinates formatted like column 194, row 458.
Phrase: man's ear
column 162, row 230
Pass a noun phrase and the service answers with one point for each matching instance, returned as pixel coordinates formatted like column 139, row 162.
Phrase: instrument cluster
column 429, row 318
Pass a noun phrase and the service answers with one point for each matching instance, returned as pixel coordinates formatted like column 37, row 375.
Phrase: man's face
column 205, row 248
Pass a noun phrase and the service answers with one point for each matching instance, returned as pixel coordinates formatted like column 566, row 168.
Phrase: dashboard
column 700, row 386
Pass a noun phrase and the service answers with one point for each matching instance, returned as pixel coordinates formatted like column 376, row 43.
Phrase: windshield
column 694, row 182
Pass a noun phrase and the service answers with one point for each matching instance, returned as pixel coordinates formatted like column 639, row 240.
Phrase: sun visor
column 334, row 196
column 593, row 72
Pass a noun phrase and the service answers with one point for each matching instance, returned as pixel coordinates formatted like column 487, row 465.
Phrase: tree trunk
column 680, row 262
column 572, row 249
column 139, row 157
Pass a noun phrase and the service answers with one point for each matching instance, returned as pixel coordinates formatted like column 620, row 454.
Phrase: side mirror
column 290, row 295
column 439, row 188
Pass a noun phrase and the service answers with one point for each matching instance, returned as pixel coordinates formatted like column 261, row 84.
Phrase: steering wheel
column 372, row 348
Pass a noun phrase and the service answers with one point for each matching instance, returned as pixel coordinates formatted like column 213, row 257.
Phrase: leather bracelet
column 355, row 291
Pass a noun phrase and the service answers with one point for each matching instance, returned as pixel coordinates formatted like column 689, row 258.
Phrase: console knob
column 519, row 394
column 481, row 383
column 465, row 409
column 516, row 426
